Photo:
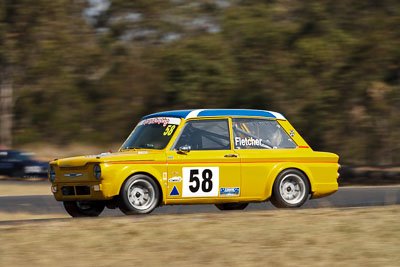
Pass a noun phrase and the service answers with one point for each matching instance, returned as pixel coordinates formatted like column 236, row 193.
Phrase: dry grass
column 23, row 188
column 322, row 237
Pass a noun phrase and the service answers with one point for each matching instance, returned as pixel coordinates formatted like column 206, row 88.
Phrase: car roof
column 196, row 113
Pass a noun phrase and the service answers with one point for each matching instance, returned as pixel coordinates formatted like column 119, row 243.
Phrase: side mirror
column 184, row 149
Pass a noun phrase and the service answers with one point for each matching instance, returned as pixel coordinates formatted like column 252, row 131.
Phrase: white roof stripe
column 277, row 115
column 194, row 113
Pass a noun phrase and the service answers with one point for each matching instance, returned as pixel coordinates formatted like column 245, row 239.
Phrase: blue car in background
column 16, row 163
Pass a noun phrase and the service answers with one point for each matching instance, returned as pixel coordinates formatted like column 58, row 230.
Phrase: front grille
column 75, row 190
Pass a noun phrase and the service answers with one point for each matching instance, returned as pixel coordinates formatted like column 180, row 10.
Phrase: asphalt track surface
column 347, row 197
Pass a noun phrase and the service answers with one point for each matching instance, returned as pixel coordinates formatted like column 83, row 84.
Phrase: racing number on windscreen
column 200, row 181
column 169, row 130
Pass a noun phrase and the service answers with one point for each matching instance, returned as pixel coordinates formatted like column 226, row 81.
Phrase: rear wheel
column 291, row 189
column 84, row 209
column 139, row 195
column 232, row 206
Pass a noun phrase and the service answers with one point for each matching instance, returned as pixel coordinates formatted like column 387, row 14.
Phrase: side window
column 205, row 135
column 259, row 134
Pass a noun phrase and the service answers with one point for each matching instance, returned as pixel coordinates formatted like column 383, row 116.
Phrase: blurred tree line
column 86, row 71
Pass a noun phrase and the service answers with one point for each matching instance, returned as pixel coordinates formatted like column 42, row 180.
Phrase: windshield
column 153, row 133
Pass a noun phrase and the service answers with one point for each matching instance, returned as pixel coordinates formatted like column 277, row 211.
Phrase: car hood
column 141, row 155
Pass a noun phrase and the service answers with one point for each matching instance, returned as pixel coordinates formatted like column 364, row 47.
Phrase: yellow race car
column 226, row 157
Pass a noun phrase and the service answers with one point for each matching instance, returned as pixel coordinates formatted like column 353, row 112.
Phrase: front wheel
column 84, row 209
column 139, row 195
column 291, row 189
column 232, row 206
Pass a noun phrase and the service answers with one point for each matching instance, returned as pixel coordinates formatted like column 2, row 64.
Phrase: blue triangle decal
column 174, row 192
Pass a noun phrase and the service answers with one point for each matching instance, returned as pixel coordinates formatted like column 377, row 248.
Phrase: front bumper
column 80, row 191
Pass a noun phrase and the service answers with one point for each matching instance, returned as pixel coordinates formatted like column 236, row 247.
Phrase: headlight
column 52, row 173
column 97, row 171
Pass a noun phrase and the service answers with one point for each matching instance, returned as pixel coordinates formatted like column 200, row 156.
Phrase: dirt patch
column 322, row 237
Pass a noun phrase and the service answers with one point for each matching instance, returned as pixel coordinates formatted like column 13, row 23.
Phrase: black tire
column 84, row 209
column 232, row 206
column 289, row 184
column 139, row 195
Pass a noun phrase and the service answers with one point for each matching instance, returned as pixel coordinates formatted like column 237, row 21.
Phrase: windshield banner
column 161, row 120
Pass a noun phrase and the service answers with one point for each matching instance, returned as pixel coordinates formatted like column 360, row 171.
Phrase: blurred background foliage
column 87, row 71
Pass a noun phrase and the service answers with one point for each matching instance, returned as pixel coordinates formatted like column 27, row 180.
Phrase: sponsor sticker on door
column 229, row 191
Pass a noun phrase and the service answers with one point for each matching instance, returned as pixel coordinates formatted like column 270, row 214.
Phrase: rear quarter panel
column 261, row 168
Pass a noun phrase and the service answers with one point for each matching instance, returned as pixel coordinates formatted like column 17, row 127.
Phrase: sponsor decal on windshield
column 161, row 120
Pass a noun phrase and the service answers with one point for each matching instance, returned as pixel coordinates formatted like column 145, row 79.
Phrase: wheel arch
column 278, row 170
column 162, row 197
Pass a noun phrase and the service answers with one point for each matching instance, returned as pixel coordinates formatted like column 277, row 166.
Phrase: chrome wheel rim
column 141, row 194
column 292, row 189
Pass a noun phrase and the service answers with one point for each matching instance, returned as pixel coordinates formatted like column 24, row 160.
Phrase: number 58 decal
column 200, row 181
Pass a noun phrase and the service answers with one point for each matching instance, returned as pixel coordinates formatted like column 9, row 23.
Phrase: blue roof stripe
column 216, row 112
column 236, row 112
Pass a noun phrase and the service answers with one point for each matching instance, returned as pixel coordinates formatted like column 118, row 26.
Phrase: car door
column 209, row 169
column 261, row 144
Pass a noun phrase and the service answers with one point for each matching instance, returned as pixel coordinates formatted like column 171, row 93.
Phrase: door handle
column 231, row 156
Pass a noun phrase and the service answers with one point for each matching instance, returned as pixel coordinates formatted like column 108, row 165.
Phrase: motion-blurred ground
column 322, row 237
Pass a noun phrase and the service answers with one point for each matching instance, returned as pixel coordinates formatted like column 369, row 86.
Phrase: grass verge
column 320, row 237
